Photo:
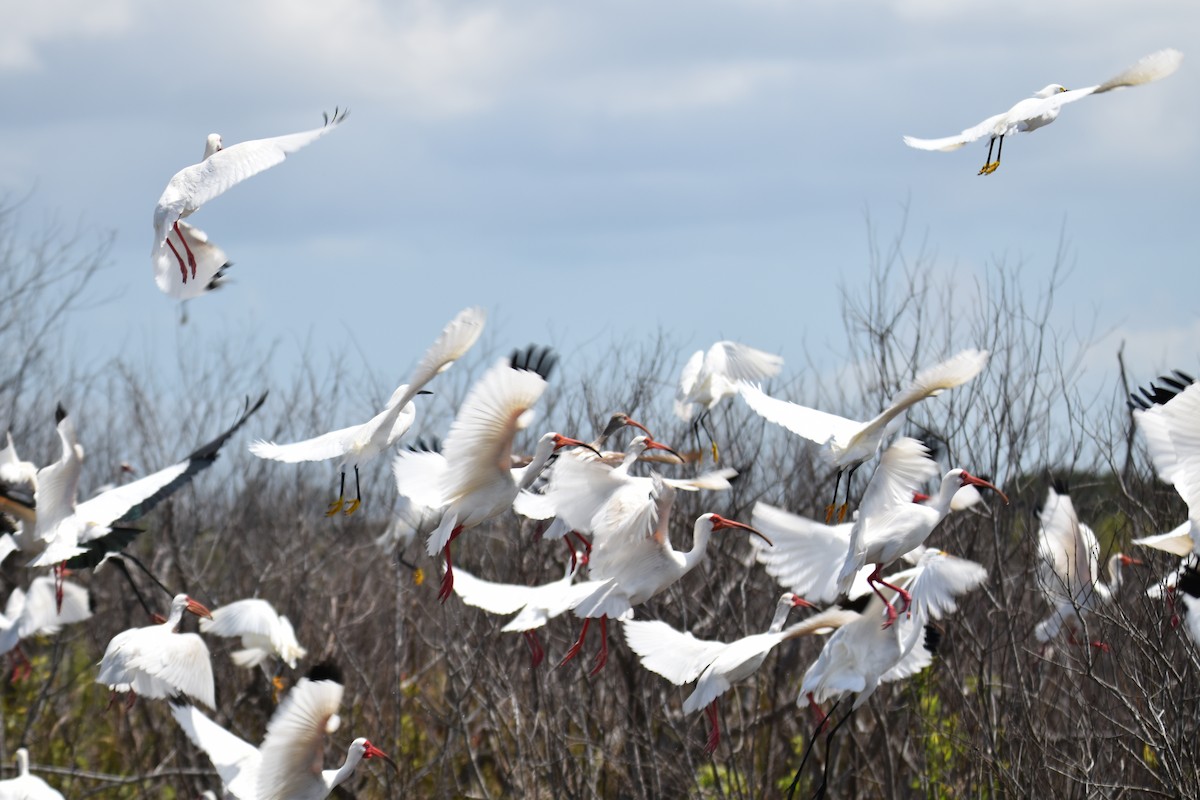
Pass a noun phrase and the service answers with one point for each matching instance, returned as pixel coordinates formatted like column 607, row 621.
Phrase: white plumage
column 710, row 377
column 359, row 444
column 1043, row 108
column 26, row 786
column 185, row 263
column 846, row 443
column 288, row 764
column 155, row 661
column 715, row 666
column 33, row 612
column 263, row 631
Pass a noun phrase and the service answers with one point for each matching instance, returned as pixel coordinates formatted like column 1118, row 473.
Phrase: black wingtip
column 933, row 639
column 179, row 700
column 857, row 605
column 1189, row 582
column 1158, row 395
column 423, row 445
column 60, row 414
column 325, row 671
column 534, row 358
column 1060, row 486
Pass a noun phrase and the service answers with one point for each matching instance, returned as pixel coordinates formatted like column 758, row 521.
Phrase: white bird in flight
column 1043, row 108
column 263, row 630
column 34, row 612
column 359, row 444
column 890, row 524
column 1068, row 570
column 633, row 560
column 155, row 661
column 847, row 443
column 715, row 666
column 708, row 378
column 201, row 264
column 26, row 786
column 288, row 764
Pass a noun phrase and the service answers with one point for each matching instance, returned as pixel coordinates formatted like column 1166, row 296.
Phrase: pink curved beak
column 719, row 522
column 371, row 751
column 198, row 609
column 968, row 478
column 653, row 445
column 567, row 441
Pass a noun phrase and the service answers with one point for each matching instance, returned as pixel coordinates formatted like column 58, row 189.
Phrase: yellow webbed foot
column 353, row 505
column 418, row 576
column 335, row 507
column 841, row 515
column 829, row 509
column 988, row 169
column 716, row 456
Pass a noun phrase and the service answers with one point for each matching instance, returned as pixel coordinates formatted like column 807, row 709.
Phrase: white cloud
column 48, row 21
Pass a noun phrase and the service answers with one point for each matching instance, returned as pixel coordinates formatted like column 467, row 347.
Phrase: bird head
column 561, row 441
column 371, row 751
column 197, row 608
column 795, row 600
column 646, row 443
column 1051, row 90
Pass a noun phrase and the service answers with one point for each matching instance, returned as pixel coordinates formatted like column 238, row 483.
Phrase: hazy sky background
column 593, row 173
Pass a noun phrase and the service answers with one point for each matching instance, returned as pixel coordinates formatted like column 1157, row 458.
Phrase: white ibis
column 359, row 444
column 34, row 613
column 633, row 559
column 890, row 524
column 288, row 764
column 710, row 377
column 156, row 661
column 478, row 482
column 26, row 786
column 715, row 666
column 847, row 443
column 807, row 553
column 14, row 472
column 582, row 487
column 1043, row 108
column 1068, row 569
column 200, row 266
column 264, row 632
column 533, row 606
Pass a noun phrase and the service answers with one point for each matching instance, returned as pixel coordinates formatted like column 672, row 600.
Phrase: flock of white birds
column 879, row 585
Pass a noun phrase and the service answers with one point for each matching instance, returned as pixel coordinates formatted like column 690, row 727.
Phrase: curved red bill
column 567, row 441
column 719, row 522
column 198, row 609
column 969, row 479
column 371, row 751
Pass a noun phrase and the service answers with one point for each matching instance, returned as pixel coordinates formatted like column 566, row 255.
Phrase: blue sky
column 707, row 169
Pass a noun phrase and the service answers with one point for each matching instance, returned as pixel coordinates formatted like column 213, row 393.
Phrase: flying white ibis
column 890, row 524
column 477, row 481
column 263, row 630
column 847, row 443
column 807, row 553
column 533, row 606
column 633, row 560
column 201, row 264
column 862, row 654
column 359, row 444
column 710, row 377
column 1043, row 108
column 1068, row 569
column 715, row 666
column 26, row 786
column 156, row 661
column 34, row 613
column 288, row 764
column 581, row 487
